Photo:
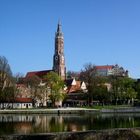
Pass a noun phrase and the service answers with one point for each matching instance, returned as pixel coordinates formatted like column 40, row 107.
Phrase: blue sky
column 97, row 31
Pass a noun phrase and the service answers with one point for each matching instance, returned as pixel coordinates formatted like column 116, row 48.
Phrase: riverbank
column 121, row 110
column 70, row 110
column 113, row 134
column 58, row 111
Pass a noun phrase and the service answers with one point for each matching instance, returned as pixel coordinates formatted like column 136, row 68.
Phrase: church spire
column 59, row 27
column 59, row 30
column 58, row 58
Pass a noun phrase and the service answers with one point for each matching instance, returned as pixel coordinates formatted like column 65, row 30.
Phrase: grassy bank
column 109, row 107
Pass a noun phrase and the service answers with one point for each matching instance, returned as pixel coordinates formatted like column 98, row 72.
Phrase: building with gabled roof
column 40, row 74
column 17, row 103
column 108, row 67
column 76, row 92
column 107, row 70
column 75, row 86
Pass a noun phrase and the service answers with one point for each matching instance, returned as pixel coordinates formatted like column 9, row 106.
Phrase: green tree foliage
column 122, row 89
column 130, row 93
column 116, row 88
column 101, row 94
column 55, row 86
column 137, row 87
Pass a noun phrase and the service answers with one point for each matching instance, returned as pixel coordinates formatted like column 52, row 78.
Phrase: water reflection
column 27, row 124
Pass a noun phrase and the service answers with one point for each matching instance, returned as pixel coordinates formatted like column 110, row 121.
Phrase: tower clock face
column 56, row 57
column 62, row 59
column 62, row 72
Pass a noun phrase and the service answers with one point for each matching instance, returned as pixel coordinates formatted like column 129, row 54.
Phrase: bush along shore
column 113, row 134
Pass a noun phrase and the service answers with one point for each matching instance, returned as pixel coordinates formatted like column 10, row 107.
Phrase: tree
column 56, row 86
column 18, row 77
column 5, row 74
column 130, row 93
column 137, row 88
column 32, row 82
column 115, row 90
column 7, row 83
column 73, row 74
column 101, row 94
column 122, row 89
column 93, row 81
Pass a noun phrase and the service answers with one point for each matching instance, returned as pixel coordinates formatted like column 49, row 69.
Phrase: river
column 41, row 123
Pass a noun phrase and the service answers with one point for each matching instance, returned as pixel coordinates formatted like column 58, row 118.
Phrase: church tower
column 58, row 58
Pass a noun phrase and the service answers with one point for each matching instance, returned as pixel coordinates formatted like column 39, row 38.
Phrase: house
column 107, row 70
column 23, row 103
column 18, row 103
column 72, row 85
column 76, row 92
column 104, row 70
column 26, row 87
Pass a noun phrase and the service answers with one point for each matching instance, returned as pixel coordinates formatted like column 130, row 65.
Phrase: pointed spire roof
column 59, row 31
column 59, row 27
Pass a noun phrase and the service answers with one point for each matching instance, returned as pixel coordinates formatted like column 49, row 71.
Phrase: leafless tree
column 5, row 74
column 18, row 77
column 73, row 74
column 95, row 83
column 32, row 82
column 7, row 84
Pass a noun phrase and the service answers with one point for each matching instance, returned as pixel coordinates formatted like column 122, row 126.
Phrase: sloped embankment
column 115, row 134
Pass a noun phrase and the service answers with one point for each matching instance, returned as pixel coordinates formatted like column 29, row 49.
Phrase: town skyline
column 103, row 33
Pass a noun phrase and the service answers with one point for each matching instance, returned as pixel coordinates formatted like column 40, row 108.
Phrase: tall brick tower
column 58, row 58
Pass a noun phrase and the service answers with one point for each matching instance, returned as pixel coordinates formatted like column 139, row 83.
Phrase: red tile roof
column 40, row 74
column 104, row 67
column 23, row 100
column 73, row 88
